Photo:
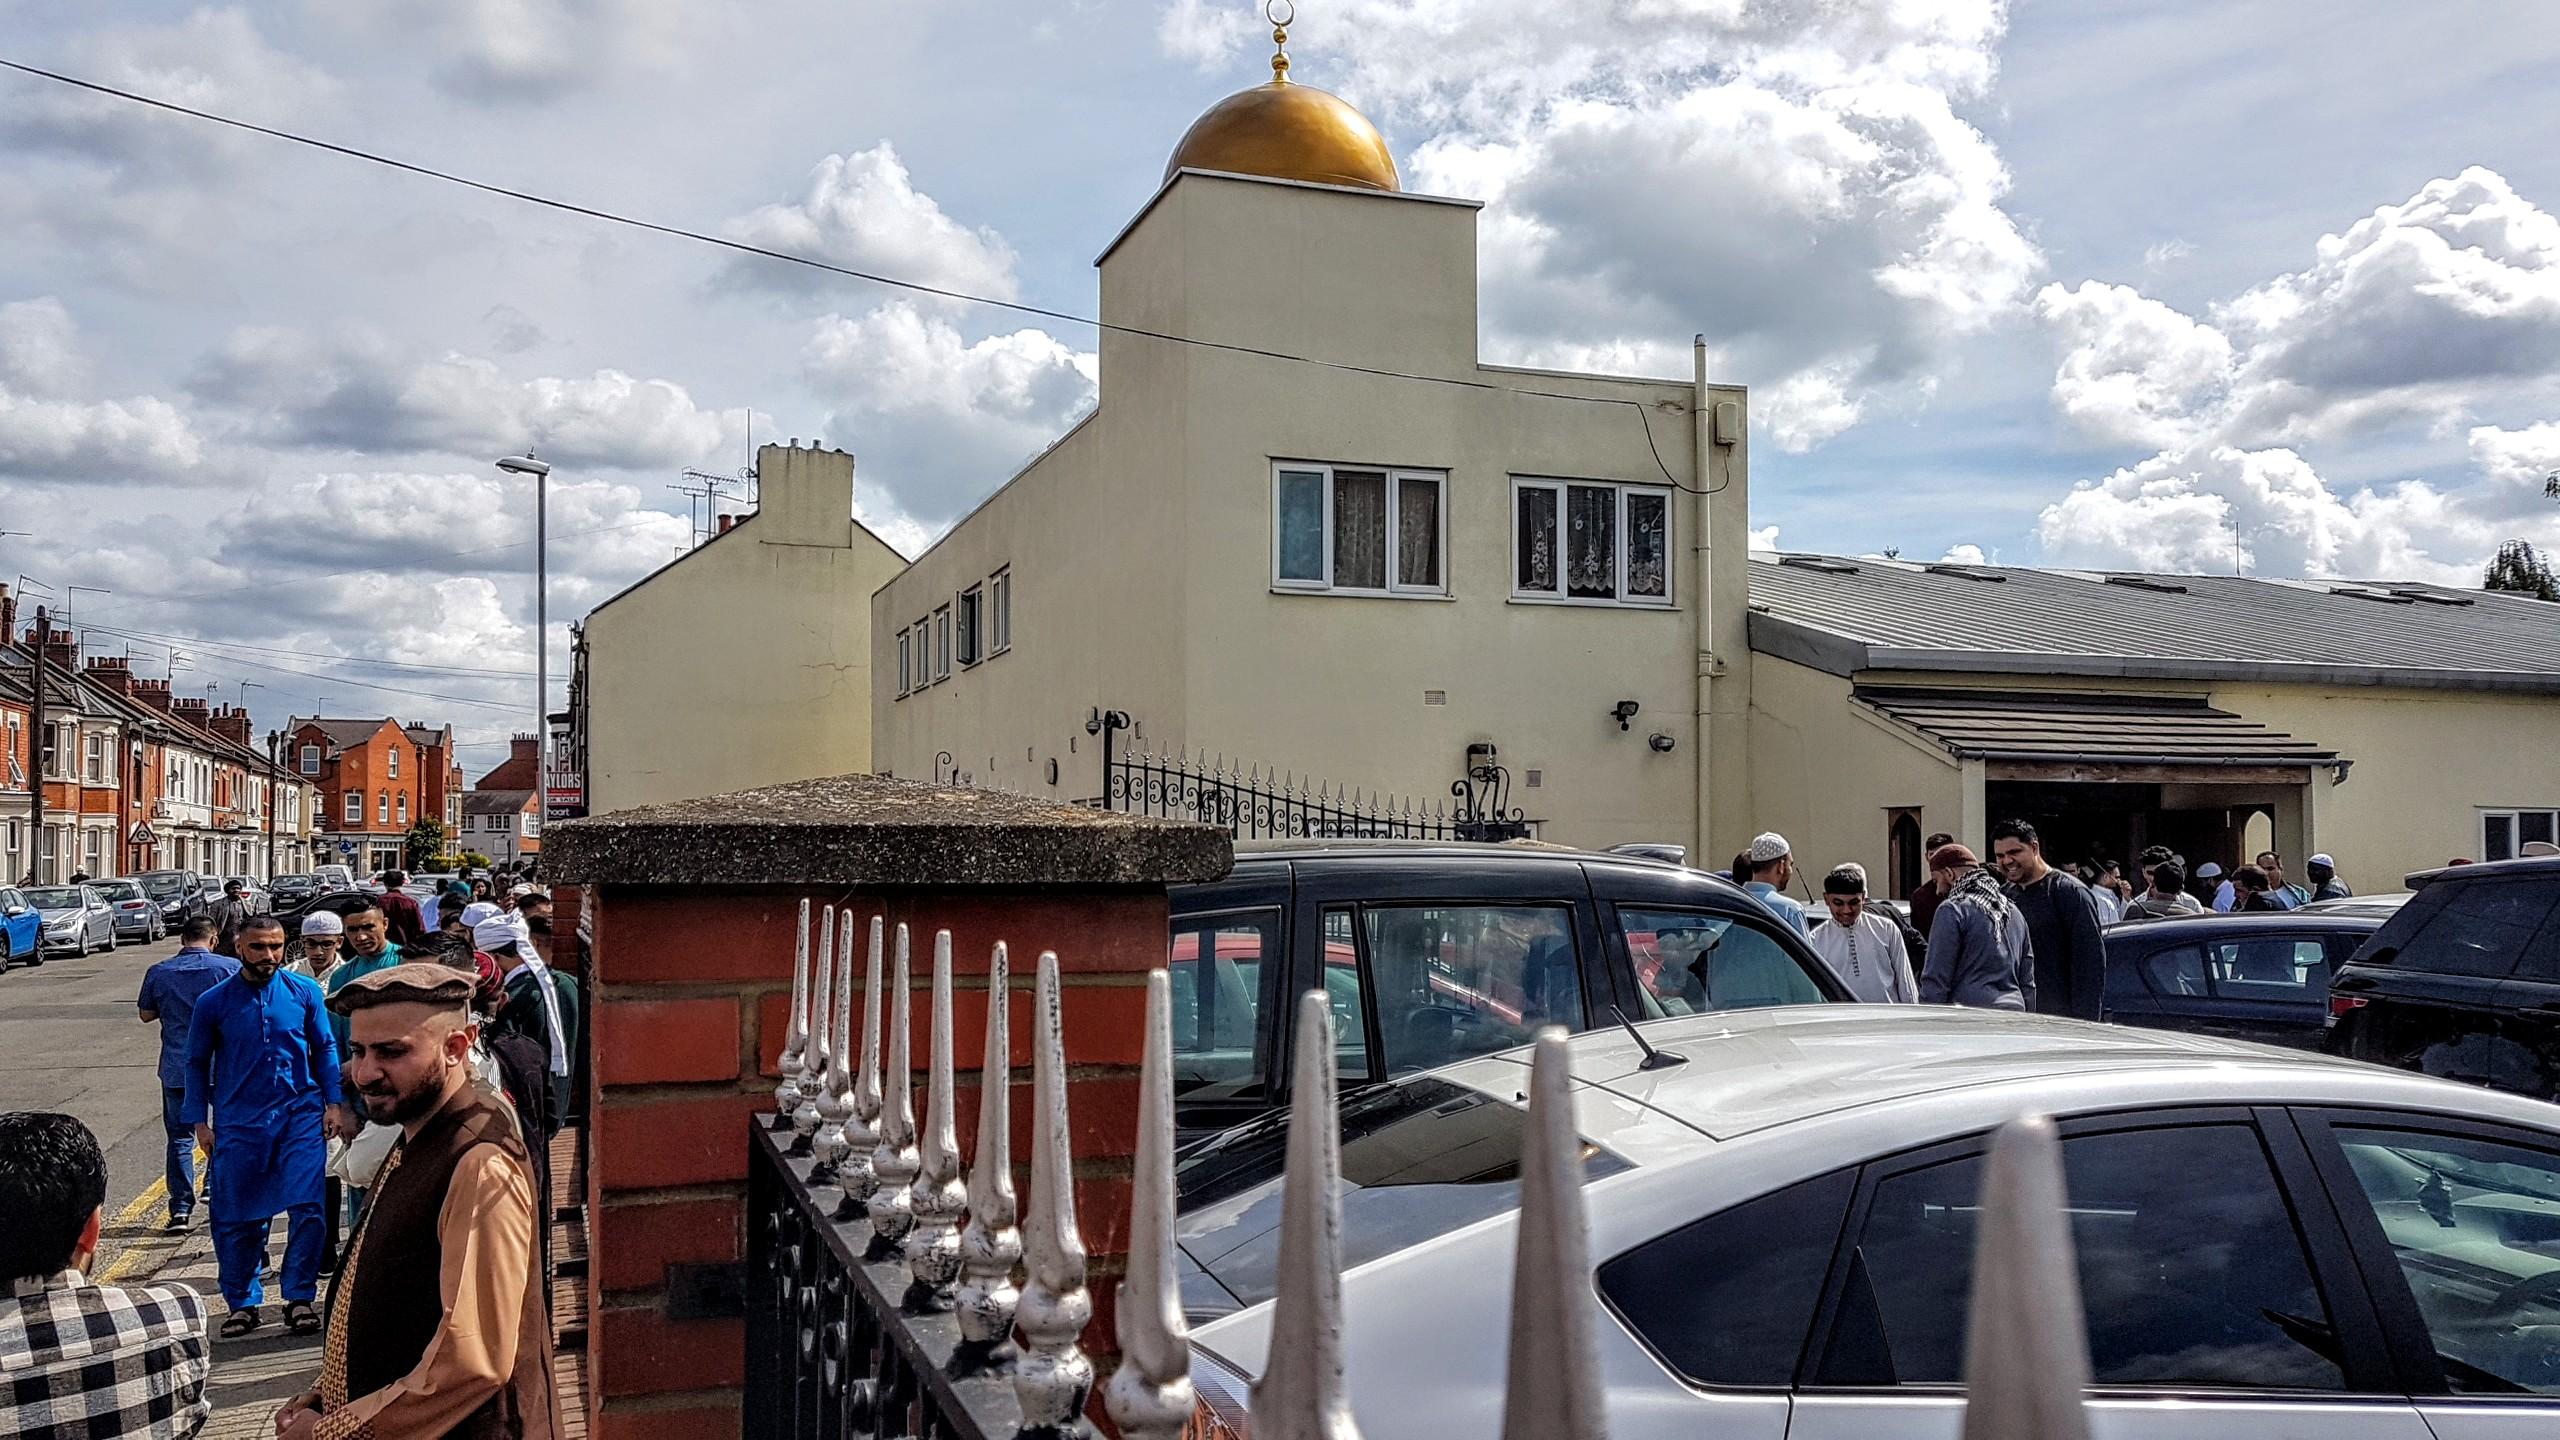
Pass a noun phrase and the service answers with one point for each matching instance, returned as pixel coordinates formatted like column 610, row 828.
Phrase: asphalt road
column 69, row 1041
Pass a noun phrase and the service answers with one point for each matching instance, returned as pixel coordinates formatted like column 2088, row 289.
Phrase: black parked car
column 2464, row 982
column 179, row 895
column 1437, row 952
column 2254, row 976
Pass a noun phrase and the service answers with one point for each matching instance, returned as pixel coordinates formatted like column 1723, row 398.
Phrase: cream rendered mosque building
column 1308, row 530
column 1319, row 535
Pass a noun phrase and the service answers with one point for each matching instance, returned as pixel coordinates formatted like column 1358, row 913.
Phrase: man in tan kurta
column 436, row 1323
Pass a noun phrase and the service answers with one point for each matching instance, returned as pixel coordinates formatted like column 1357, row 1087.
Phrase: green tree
column 2520, row 569
column 425, row 844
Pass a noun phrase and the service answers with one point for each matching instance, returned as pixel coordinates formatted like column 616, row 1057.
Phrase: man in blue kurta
column 262, row 1068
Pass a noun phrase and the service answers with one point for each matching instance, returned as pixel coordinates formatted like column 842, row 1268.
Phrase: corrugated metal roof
column 2122, row 729
column 1854, row 615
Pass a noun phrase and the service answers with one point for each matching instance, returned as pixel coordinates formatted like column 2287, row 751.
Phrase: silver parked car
column 2270, row 1243
column 77, row 918
column 136, row 916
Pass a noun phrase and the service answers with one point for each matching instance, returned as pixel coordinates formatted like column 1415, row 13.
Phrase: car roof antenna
column 1653, row 1059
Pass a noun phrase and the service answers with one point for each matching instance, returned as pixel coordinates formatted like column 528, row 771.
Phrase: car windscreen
column 120, row 890
column 1420, row 1158
column 163, row 884
column 54, row 897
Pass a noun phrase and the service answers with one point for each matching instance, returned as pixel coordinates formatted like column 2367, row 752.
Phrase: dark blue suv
column 2255, row 976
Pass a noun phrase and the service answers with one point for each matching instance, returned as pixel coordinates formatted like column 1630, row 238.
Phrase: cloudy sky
column 2170, row 284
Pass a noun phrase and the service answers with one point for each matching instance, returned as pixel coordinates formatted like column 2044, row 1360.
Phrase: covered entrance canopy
column 2107, row 775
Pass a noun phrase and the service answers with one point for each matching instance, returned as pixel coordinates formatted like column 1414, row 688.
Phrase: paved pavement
column 70, row 1041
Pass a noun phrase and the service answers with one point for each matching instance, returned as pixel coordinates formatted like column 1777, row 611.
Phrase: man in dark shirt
column 170, row 990
column 408, row 924
column 2062, row 922
column 227, row 914
column 1924, row 897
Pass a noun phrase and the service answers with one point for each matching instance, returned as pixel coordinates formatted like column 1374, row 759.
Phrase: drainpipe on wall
column 1701, row 446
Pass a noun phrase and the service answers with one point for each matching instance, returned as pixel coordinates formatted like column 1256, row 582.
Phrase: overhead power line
column 868, row 276
column 230, row 660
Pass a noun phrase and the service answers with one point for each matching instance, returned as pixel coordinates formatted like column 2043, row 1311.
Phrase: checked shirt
column 80, row 1361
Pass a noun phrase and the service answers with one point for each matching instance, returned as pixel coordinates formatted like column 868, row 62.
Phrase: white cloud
column 48, row 431
column 528, row 51
column 1764, row 537
column 358, row 392
column 863, row 211
column 937, row 420
column 2422, row 311
column 40, row 351
column 213, row 59
column 2138, row 372
column 1792, row 178
column 1965, row 554
column 2160, row 255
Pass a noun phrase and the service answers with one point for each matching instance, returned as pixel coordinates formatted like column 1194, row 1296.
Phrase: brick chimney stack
column 154, row 693
column 111, row 672
column 231, row 722
column 8, row 615
column 192, row 710
column 62, row 648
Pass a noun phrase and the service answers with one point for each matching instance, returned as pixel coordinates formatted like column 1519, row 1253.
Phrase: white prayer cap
column 1768, row 846
column 490, row 934
column 477, row 911
column 323, row 922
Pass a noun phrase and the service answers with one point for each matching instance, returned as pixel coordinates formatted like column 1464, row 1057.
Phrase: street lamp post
column 273, row 738
column 525, row 464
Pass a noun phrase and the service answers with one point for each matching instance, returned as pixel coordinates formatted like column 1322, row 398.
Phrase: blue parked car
column 21, row 928
column 2258, row 976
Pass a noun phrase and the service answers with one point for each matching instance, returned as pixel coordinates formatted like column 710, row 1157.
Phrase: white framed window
column 1353, row 530
column 355, row 807
column 968, row 627
column 404, row 807
column 381, row 807
column 1000, row 611
column 1580, row 542
column 906, row 661
column 94, row 762
column 2505, row 833
column 394, row 771
column 310, row 759
column 941, row 643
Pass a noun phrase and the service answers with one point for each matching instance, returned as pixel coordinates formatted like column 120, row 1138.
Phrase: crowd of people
column 2018, row 933
column 403, row 1071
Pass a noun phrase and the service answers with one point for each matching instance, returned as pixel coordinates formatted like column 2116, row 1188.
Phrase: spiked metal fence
column 1255, row 803
column 891, row 1296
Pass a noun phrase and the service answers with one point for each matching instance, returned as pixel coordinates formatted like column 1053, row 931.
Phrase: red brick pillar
column 693, row 913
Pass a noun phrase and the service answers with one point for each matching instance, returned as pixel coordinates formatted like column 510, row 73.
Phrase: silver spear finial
column 1149, row 1397
column 1299, row 1396
column 814, row 1059
column 1052, row 1377
column 795, row 1037
column 1554, row 1392
column 835, row 1098
column 2026, row 1363
column 990, row 1247
column 861, row 1133
column 938, row 1200
column 893, row 1160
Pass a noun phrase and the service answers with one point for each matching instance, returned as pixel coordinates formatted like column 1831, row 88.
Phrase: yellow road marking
column 128, row 1259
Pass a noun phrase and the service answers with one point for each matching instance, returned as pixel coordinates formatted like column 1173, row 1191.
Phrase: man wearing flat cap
column 436, row 1320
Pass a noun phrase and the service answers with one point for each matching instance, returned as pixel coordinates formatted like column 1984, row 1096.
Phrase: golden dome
column 1288, row 132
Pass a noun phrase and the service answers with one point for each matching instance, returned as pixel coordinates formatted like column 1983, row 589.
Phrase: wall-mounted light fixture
column 1624, row 711
column 1660, row 742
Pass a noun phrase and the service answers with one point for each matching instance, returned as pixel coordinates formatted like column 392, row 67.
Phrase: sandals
column 301, row 1319
column 240, row 1322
